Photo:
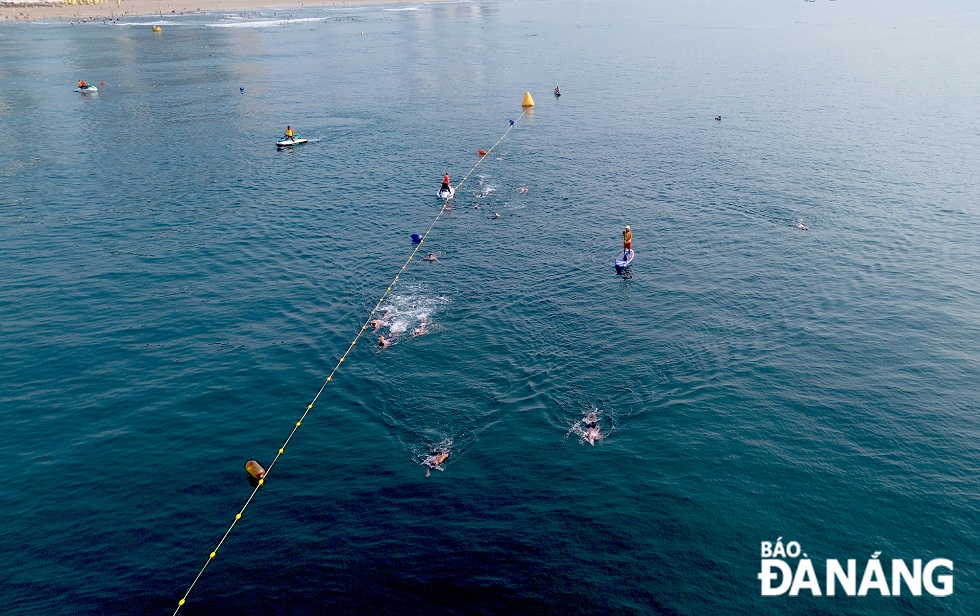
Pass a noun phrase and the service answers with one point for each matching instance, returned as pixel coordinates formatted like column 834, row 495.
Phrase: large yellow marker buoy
column 528, row 101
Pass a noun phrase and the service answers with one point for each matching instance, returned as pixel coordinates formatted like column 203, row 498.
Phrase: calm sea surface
column 174, row 292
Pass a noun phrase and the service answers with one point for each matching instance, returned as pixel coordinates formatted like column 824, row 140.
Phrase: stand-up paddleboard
column 445, row 193
column 625, row 260
column 287, row 142
column 87, row 89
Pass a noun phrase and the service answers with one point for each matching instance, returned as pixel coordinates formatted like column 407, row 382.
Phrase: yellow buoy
column 157, row 29
column 255, row 469
column 528, row 101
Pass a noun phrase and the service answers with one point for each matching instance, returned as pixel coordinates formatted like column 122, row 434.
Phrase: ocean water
column 174, row 292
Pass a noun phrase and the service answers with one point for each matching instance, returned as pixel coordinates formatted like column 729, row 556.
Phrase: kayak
column 445, row 193
column 625, row 260
column 87, row 89
column 286, row 143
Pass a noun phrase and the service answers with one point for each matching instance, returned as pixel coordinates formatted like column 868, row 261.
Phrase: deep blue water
column 174, row 292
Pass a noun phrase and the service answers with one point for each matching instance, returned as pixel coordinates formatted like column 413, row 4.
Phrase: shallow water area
column 794, row 354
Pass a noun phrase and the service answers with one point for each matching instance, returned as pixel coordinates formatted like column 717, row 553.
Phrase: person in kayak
column 627, row 239
column 445, row 182
column 289, row 133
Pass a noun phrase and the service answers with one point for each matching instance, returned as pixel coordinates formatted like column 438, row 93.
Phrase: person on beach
column 289, row 133
column 627, row 239
column 445, row 182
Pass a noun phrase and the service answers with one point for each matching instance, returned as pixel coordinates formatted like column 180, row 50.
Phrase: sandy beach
column 100, row 10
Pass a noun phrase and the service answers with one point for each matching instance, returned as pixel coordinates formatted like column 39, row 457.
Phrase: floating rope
column 350, row 347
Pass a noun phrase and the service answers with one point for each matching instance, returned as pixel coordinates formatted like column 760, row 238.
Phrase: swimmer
column 378, row 323
column 523, row 189
column 431, row 257
column 383, row 343
column 418, row 331
column 592, row 435
column 495, row 216
column 434, row 461
column 718, row 118
column 802, row 227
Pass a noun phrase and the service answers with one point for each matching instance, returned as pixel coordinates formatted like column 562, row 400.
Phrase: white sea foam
column 268, row 23
column 406, row 311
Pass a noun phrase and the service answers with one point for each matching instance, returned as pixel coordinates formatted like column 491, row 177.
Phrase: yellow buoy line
column 350, row 347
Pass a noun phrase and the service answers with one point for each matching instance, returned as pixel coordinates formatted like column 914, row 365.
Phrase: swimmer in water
column 418, row 331
column 383, row 343
column 802, row 227
column 495, row 216
column 431, row 257
column 591, row 434
column 718, row 118
column 434, row 461
column 523, row 189
column 377, row 323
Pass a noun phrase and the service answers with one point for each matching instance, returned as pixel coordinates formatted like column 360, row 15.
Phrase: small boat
column 624, row 261
column 286, row 142
column 87, row 89
column 445, row 193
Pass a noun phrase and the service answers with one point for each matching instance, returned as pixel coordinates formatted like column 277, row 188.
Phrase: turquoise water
column 175, row 291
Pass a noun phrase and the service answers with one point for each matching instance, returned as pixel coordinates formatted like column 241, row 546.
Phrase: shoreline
column 103, row 10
